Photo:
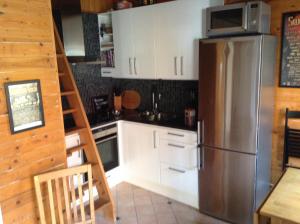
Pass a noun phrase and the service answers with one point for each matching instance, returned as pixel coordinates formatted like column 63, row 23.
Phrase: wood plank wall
column 284, row 97
column 27, row 52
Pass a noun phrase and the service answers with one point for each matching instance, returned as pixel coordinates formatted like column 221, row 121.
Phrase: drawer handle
column 176, row 146
column 106, row 72
column 176, row 170
column 174, row 134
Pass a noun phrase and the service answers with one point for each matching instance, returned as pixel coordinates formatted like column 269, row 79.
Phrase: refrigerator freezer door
column 228, row 92
column 226, row 186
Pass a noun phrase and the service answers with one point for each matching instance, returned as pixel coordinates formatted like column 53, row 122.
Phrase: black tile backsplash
column 176, row 95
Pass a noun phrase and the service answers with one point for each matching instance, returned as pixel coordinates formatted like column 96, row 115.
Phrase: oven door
column 229, row 19
column 108, row 151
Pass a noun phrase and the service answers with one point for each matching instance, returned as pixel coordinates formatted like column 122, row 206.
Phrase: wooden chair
column 62, row 210
column 291, row 155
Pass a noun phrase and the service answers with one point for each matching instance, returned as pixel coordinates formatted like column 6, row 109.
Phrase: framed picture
column 24, row 104
column 290, row 50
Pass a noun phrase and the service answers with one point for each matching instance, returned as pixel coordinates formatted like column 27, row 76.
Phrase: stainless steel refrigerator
column 236, row 88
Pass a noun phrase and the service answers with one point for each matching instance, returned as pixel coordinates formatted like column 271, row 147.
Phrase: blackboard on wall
column 290, row 50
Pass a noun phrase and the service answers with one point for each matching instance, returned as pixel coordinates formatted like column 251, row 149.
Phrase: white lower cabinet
column 159, row 162
column 140, row 155
column 178, row 154
column 181, row 183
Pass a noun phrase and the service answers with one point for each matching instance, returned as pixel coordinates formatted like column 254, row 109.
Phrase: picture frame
column 290, row 53
column 24, row 105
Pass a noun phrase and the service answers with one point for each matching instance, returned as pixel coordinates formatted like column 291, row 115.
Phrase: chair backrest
column 65, row 203
column 291, row 138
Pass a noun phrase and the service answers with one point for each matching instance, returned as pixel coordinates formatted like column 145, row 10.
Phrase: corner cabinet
column 140, row 153
column 159, row 41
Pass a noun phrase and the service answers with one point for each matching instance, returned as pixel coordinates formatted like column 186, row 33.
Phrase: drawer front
column 178, row 154
column 179, row 179
column 178, row 136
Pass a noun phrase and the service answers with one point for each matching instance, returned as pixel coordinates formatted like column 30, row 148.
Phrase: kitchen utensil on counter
column 131, row 99
column 118, row 103
column 190, row 117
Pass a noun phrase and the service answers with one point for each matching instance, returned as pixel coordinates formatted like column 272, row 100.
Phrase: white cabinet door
column 168, row 39
column 123, row 44
column 194, row 16
column 141, row 159
column 179, row 26
column 144, row 44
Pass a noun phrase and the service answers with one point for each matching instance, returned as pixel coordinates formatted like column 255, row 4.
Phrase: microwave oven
column 243, row 18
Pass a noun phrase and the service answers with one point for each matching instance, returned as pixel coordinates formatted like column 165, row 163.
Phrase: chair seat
column 294, row 162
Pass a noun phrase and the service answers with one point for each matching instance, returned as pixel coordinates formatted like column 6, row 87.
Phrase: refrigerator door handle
column 202, row 132
column 198, row 157
column 198, row 132
column 200, row 139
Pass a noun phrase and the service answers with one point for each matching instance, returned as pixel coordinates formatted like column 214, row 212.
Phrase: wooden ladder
column 69, row 93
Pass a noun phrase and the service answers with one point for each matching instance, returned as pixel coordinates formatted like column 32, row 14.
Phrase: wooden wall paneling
column 96, row 5
column 27, row 51
column 284, row 97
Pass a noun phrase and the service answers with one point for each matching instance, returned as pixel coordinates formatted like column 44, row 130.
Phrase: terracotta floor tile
column 145, row 210
column 136, row 205
column 147, row 219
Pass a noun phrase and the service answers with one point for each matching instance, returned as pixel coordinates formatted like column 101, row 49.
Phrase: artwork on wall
column 290, row 50
column 24, row 104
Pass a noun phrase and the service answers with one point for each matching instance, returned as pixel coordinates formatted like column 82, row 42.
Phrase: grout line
column 153, row 207
column 177, row 221
column 136, row 215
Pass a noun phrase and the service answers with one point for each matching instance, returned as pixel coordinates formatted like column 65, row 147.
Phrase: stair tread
column 69, row 111
column 74, row 130
column 84, row 186
column 75, row 149
column 66, row 93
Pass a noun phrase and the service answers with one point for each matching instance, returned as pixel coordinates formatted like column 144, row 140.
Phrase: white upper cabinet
column 134, row 43
column 168, row 40
column 123, row 43
column 177, row 38
column 144, row 42
column 160, row 41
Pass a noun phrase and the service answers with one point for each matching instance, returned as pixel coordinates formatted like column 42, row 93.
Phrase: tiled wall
column 176, row 95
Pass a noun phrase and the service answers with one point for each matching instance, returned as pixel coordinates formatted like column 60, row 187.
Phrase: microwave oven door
column 229, row 19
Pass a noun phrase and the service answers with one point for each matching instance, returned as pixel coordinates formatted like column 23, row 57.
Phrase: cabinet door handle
column 176, row 146
column 181, row 65
column 175, row 65
column 130, row 66
column 178, row 135
column 134, row 65
column 176, row 170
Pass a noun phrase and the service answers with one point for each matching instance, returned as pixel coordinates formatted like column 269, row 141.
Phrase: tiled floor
column 138, row 206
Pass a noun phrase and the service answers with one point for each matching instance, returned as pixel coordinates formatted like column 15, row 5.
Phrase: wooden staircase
column 69, row 93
